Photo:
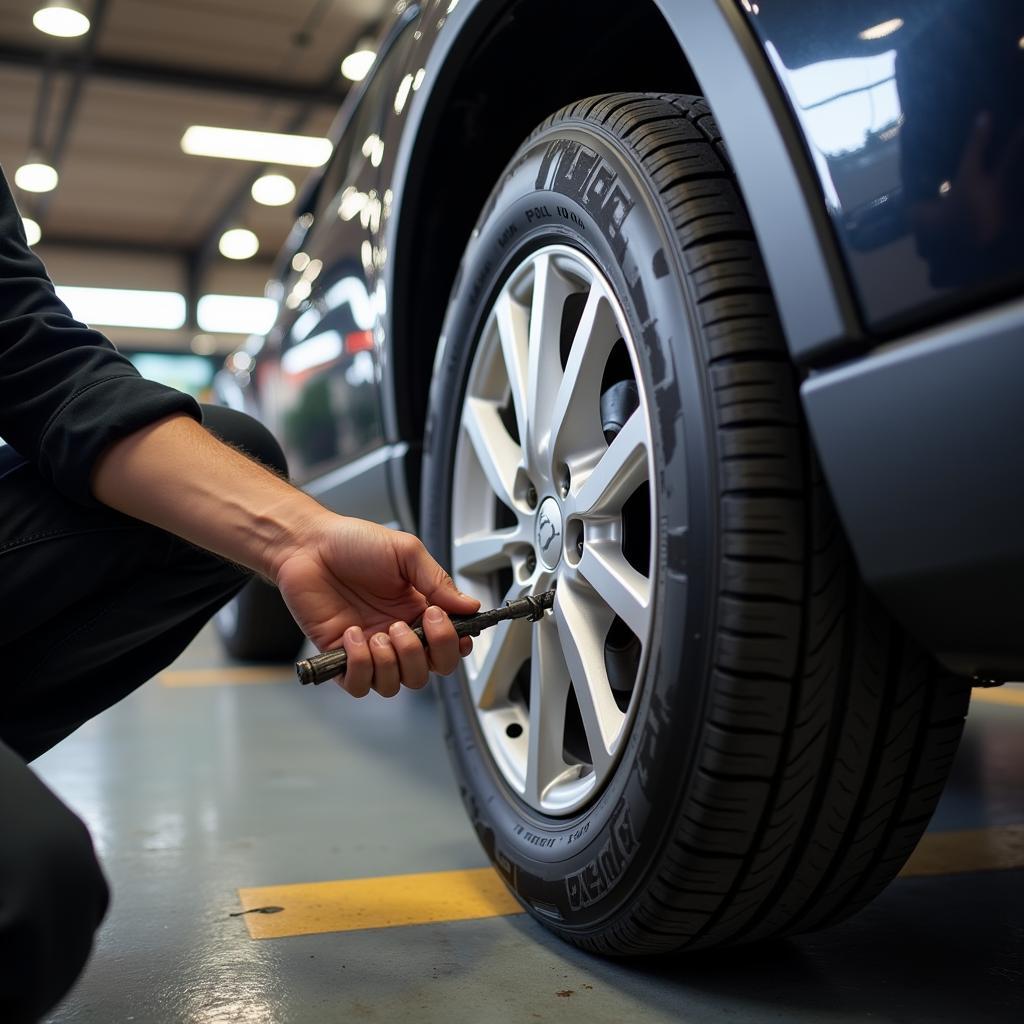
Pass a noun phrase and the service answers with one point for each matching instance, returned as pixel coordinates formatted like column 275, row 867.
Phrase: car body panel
column 924, row 446
column 912, row 113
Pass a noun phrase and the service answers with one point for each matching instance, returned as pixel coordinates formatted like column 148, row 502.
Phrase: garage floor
column 207, row 781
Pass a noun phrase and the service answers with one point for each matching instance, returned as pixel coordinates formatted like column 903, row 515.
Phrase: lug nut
column 531, row 562
column 531, row 497
column 579, row 545
column 563, row 487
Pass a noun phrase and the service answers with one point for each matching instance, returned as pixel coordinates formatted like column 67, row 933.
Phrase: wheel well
column 533, row 60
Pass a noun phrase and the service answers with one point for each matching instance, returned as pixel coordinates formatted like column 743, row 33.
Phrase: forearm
column 175, row 475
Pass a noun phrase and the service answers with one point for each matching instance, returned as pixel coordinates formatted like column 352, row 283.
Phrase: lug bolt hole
column 531, row 562
column 513, row 731
column 531, row 496
column 564, row 481
column 574, row 541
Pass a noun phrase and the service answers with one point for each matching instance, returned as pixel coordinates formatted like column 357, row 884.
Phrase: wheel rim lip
column 568, row 796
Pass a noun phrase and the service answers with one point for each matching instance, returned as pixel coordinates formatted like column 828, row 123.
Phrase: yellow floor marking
column 953, row 853
column 226, row 675
column 1011, row 694
column 395, row 900
column 377, row 902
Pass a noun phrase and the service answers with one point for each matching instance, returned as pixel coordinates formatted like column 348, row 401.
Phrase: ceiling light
column 61, row 18
column 238, row 244
column 203, row 344
column 273, row 190
column 236, row 314
column 882, row 29
column 357, row 65
column 259, row 147
column 36, row 177
column 32, row 230
column 124, row 307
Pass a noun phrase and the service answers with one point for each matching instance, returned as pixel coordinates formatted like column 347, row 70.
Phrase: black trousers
column 92, row 604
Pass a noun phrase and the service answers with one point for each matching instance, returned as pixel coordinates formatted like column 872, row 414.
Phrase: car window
column 357, row 143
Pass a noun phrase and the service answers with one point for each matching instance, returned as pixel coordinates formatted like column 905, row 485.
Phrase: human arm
column 77, row 409
column 65, row 392
column 347, row 582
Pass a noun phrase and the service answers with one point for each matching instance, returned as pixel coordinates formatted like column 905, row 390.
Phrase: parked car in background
column 709, row 316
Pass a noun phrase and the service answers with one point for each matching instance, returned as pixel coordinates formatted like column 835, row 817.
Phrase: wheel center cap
column 548, row 533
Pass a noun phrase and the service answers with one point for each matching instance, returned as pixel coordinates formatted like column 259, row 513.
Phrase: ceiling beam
column 174, row 77
column 83, row 62
column 85, row 244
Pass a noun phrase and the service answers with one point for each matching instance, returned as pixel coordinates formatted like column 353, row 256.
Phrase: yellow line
column 1010, row 694
column 954, row 853
column 377, row 902
column 225, row 675
column 396, row 900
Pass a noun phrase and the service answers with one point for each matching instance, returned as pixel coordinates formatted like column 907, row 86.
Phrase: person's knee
column 52, row 899
column 242, row 431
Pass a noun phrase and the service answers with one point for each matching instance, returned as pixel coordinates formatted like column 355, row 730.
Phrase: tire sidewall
column 574, row 183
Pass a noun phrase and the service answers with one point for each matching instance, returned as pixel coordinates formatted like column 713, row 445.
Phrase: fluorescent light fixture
column 356, row 66
column 238, row 244
column 236, row 314
column 881, row 30
column 61, row 18
column 32, row 230
column 259, row 147
column 124, row 307
column 36, row 177
column 273, row 190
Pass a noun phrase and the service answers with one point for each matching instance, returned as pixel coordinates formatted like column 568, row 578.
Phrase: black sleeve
column 65, row 391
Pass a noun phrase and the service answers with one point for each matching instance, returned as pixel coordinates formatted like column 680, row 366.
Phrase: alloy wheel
column 553, row 472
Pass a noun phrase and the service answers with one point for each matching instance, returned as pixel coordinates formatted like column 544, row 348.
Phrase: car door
column 327, row 406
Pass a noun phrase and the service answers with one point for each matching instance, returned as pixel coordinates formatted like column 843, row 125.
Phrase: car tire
column 784, row 742
column 255, row 625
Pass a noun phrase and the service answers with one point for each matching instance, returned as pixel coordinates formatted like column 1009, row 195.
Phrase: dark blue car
column 706, row 313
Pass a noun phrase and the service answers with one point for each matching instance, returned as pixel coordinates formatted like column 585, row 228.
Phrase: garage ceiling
column 109, row 109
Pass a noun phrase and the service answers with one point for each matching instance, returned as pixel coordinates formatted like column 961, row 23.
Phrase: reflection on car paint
column 913, row 113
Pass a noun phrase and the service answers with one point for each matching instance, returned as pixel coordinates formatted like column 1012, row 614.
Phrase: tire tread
column 828, row 734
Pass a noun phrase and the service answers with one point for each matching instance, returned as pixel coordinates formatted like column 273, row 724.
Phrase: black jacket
column 65, row 391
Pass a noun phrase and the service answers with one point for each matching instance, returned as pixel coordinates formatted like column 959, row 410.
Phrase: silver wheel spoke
column 499, row 456
column 491, row 675
column 617, row 583
column 549, row 687
column 618, row 472
column 583, row 650
column 488, row 551
column 575, row 417
column 514, row 333
column 544, row 369
column 530, row 426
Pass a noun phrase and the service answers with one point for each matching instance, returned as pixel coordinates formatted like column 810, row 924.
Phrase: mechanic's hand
column 355, row 584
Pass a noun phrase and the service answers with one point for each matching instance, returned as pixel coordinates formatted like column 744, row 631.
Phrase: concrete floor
column 192, row 792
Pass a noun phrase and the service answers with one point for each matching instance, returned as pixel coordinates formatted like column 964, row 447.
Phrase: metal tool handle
column 322, row 667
